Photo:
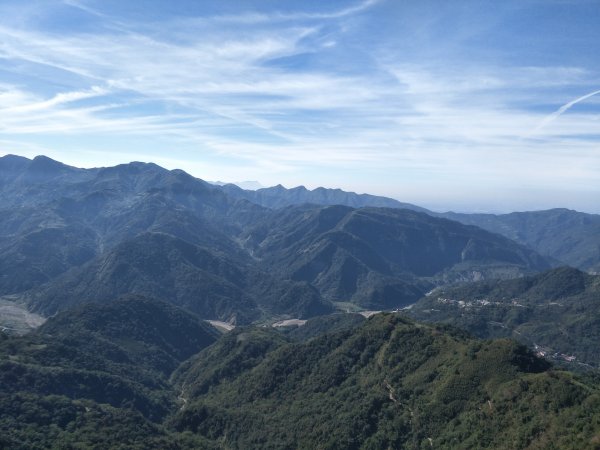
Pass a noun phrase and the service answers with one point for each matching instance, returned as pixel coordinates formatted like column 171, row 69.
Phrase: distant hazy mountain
column 248, row 185
column 381, row 258
column 25, row 182
column 278, row 197
column 112, row 190
column 568, row 236
column 557, row 311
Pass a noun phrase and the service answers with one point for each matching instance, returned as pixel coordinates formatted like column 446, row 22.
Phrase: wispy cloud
column 253, row 18
column 57, row 100
column 563, row 109
column 293, row 91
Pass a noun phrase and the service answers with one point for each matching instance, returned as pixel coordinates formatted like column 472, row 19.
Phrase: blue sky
column 463, row 105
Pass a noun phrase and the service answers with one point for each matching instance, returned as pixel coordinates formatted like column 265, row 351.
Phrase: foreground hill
column 557, row 312
column 97, row 375
column 116, row 376
column 381, row 258
column 387, row 384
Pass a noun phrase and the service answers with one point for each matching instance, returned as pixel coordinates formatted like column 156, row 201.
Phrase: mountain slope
column 102, row 376
column 97, row 377
column 59, row 223
column 162, row 266
column 55, row 217
column 43, row 180
column 557, row 312
column 390, row 384
column 568, row 236
column 381, row 258
column 115, row 353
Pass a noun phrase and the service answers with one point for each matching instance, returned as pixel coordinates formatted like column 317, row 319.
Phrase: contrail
column 564, row 108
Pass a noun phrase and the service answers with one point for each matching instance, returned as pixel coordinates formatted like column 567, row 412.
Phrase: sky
column 471, row 106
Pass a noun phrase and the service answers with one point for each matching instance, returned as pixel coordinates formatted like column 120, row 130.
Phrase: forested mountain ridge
column 389, row 383
column 97, row 375
column 381, row 257
column 556, row 312
column 564, row 235
column 53, row 223
column 70, row 235
column 172, row 269
column 569, row 236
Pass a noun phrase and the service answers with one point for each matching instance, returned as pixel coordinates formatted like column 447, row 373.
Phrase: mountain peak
column 43, row 163
column 13, row 163
column 279, row 197
column 42, row 168
column 136, row 167
column 43, row 159
column 10, row 157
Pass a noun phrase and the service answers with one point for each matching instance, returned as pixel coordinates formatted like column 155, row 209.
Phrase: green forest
column 139, row 373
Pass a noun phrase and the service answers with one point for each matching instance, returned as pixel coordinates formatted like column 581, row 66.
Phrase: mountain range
column 130, row 265
column 70, row 235
column 279, row 197
column 568, row 236
column 381, row 257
